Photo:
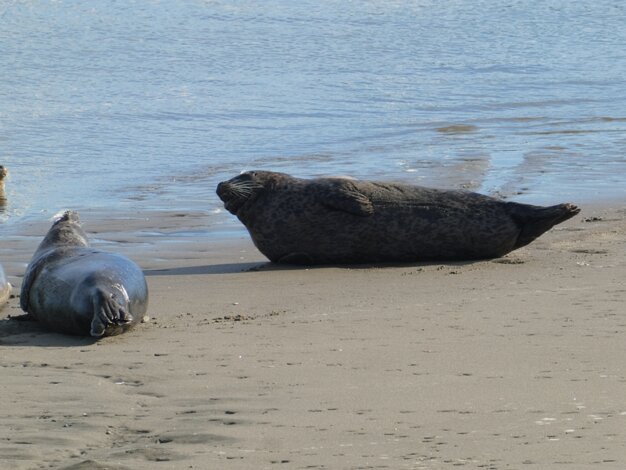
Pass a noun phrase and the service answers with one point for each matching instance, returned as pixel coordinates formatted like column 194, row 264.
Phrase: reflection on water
column 147, row 105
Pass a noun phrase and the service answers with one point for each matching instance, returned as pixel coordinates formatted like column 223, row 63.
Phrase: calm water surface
column 149, row 104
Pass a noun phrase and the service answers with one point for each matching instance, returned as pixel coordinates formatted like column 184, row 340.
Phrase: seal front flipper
column 33, row 270
column 107, row 311
column 27, row 282
column 342, row 195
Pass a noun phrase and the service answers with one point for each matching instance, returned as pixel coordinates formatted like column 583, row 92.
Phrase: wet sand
column 504, row 364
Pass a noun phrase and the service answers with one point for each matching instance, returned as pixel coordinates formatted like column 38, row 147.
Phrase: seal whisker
column 245, row 185
column 242, row 192
column 243, row 189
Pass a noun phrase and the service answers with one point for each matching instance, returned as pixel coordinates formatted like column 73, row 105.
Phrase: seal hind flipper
column 535, row 220
column 106, row 312
column 344, row 196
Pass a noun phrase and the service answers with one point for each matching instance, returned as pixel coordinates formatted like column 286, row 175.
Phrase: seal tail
column 535, row 220
column 106, row 312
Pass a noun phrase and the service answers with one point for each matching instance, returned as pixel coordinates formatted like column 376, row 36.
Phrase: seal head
column 245, row 188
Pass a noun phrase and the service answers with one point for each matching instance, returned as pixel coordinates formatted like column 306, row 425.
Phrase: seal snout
column 226, row 192
column 222, row 189
column 229, row 196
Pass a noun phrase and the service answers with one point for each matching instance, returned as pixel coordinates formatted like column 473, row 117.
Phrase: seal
column 72, row 288
column 5, row 288
column 3, row 198
column 341, row 220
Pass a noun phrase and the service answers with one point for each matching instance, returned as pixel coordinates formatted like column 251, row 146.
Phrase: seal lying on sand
column 340, row 220
column 5, row 288
column 72, row 288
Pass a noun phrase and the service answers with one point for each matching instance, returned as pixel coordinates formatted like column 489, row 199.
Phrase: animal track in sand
column 589, row 251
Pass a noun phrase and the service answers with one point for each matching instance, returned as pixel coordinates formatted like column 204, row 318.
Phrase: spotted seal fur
column 341, row 220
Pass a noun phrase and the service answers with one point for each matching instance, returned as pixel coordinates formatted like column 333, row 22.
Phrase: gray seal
column 5, row 288
column 341, row 220
column 3, row 198
column 72, row 288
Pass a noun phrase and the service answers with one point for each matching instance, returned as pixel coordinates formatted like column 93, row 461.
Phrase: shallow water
column 147, row 105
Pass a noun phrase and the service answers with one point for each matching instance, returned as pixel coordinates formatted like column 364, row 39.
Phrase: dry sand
column 513, row 363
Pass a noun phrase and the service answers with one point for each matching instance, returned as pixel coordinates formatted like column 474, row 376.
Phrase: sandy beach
column 511, row 363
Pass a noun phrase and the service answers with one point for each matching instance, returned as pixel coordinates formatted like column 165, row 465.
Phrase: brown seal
column 340, row 220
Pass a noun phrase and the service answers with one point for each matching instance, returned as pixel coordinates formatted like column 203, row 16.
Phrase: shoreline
column 504, row 363
column 156, row 237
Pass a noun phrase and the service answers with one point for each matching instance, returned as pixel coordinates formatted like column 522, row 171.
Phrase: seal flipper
column 27, row 282
column 33, row 270
column 107, row 311
column 344, row 196
column 535, row 220
column 29, row 278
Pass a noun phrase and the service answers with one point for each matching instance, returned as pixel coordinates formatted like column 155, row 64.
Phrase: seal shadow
column 234, row 268
column 225, row 268
column 15, row 331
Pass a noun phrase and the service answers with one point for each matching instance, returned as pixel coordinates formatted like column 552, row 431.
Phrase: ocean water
column 147, row 105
